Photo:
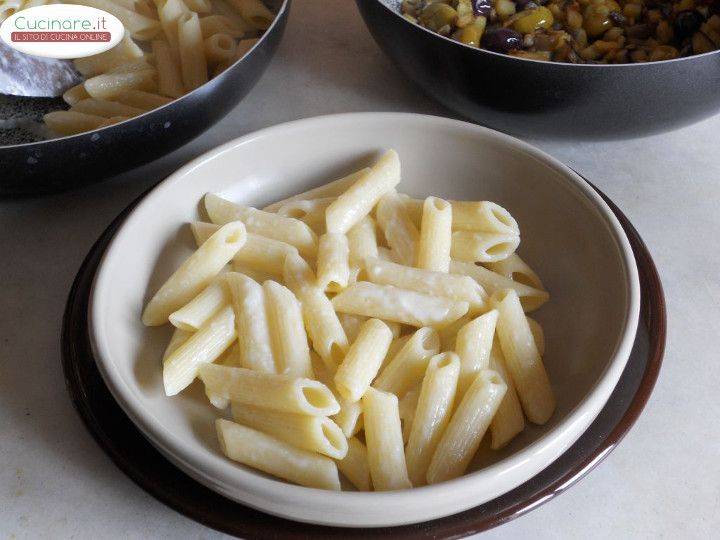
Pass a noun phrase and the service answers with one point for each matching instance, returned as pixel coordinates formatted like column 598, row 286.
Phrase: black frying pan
column 528, row 97
column 69, row 162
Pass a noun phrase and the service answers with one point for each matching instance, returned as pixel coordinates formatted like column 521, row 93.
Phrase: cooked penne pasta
column 169, row 13
column 363, row 360
column 121, row 53
column 349, row 418
column 351, row 325
column 251, row 321
column 137, row 25
column 451, row 286
column 204, row 346
column 398, row 305
column 432, row 414
column 362, row 242
column 75, row 94
column 269, row 390
column 254, row 12
column 220, row 24
column 71, row 122
column 530, row 298
column 289, row 230
column 400, row 233
column 106, row 109
column 333, row 269
column 109, row 85
column 314, row 433
column 513, row 267
column 287, row 331
column 170, row 81
column 178, row 338
column 467, row 426
column 302, row 208
column 472, row 344
column 332, row 189
column 323, row 326
column 435, row 235
column 538, row 334
column 219, row 48
column 481, row 216
column 471, row 246
column 383, row 436
column 407, row 367
column 448, row 334
column 360, row 198
column 193, row 64
column 141, row 100
column 509, row 419
column 200, row 309
column 273, row 456
column 195, row 273
column 354, row 466
column 522, row 358
column 199, row 6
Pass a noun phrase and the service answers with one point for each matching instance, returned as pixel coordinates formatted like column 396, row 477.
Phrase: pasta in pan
column 362, row 345
column 170, row 48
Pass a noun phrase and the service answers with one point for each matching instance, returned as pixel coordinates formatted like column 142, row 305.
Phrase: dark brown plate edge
column 653, row 317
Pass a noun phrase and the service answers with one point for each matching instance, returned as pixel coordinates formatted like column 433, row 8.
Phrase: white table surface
column 662, row 481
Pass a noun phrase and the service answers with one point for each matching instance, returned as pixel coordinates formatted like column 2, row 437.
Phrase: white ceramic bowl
column 569, row 235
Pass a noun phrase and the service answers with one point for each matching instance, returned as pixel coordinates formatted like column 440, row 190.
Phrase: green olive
column 435, row 16
column 529, row 20
column 472, row 33
column 596, row 18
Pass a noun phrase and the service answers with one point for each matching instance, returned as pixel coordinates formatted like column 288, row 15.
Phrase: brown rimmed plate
column 138, row 458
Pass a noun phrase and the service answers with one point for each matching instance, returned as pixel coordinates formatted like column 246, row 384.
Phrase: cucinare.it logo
column 62, row 31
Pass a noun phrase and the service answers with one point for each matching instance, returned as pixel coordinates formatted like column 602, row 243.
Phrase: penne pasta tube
column 530, row 298
column 178, row 338
column 195, row 273
column 121, row 53
column 471, row 246
column 407, row 368
column 363, row 360
column 71, row 122
column 276, row 457
column 113, row 120
column 408, row 405
column 200, row 309
column 289, row 230
column 141, row 100
column 199, row 6
column 136, row 25
column 219, row 48
column 301, row 208
column 435, row 235
column 452, row 286
column 448, row 334
column 251, row 321
column 513, row 267
column 386, row 254
column 383, row 436
column 75, row 94
column 169, row 13
column 193, row 65
column 331, row 189
column 106, row 109
column 220, row 24
column 351, row 325
column 432, row 414
column 204, row 346
column 522, row 358
column 323, row 326
column 314, row 433
column 538, row 334
column 481, row 216
column 354, row 466
column 349, row 418
column 333, row 270
column 400, row 233
column 399, row 305
column 254, row 12
column 360, row 198
column 362, row 242
column 224, row 9
column 472, row 344
column 269, row 390
column 467, row 426
column 287, row 331
column 133, row 66
column 258, row 253
column 170, row 81
column 509, row 419
column 109, row 85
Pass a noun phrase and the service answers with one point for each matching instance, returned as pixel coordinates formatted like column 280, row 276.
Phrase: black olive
column 501, row 40
column 687, row 23
column 482, row 7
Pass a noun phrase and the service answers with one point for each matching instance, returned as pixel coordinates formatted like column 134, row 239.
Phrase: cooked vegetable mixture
column 576, row 31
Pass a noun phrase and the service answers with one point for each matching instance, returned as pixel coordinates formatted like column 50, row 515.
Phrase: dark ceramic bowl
column 530, row 97
column 69, row 162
